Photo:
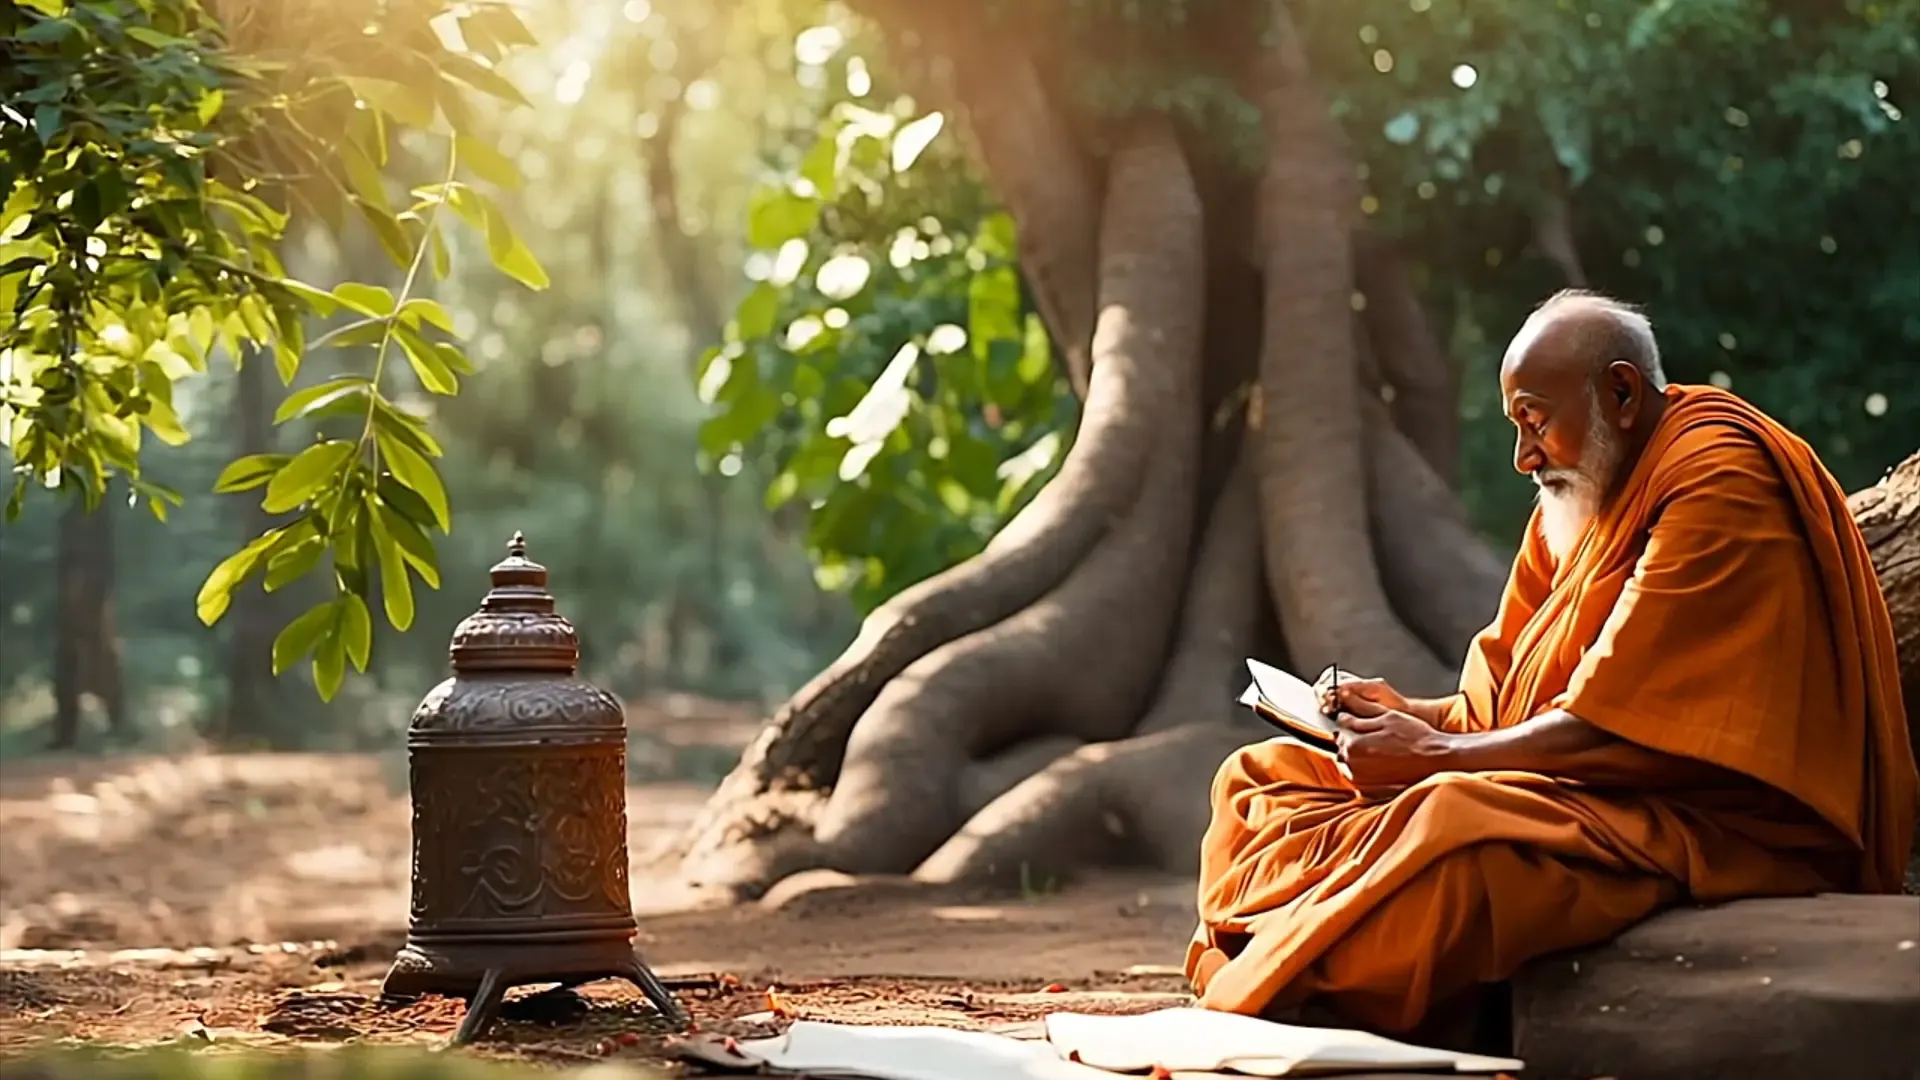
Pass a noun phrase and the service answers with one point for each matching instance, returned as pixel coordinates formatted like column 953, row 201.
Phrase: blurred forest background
column 714, row 427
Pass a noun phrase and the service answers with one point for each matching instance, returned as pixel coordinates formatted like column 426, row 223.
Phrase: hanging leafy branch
column 154, row 154
column 885, row 370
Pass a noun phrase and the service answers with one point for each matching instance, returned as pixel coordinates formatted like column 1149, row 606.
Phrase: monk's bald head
column 1578, row 334
column 1582, row 384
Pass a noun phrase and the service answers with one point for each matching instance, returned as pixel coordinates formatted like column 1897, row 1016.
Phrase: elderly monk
column 1689, row 694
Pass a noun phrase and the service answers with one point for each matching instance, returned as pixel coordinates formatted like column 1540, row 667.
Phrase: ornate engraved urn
column 518, row 772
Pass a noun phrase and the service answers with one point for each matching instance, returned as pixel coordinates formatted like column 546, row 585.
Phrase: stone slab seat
column 1806, row 988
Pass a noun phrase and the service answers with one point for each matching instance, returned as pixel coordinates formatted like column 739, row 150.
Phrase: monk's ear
column 1628, row 387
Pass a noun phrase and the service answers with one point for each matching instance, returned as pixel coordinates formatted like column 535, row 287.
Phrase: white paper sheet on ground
column 1203, row 1040
column 911, row 1053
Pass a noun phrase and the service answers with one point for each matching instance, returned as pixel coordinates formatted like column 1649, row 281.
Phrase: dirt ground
column 256, row 900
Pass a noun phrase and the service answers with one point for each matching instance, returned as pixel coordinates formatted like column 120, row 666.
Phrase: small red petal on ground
column 1161, row 1072
column 627, row 1038
column 1073, row 1056
column 1053, row 988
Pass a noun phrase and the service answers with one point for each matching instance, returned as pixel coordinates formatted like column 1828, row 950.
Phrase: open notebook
column 1288, row 704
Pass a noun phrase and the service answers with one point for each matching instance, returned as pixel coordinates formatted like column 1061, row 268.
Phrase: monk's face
column 1569, row 412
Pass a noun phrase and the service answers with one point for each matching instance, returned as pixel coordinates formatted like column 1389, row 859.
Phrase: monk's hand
column 1357, row 695
column 1391, row 748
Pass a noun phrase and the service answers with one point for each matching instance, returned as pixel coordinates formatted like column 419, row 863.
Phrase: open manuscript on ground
column 1183, row 1042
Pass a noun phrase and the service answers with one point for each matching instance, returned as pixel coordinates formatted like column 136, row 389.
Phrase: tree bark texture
column 250, row 715
column 1888, row 514
column 1263, row 467
column 86, row 650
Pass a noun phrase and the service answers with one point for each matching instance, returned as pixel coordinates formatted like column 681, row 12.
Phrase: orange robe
column 1721, row 609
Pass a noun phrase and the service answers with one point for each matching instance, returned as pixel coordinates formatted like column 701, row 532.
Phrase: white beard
column 1569, row 498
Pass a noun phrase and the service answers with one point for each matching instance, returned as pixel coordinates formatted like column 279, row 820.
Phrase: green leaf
column 146, row 35
column 371, row 300
column 356, row 629
column 250, row 472
column 755, row 316
column 442, row 260
column 395, row 99
column 306, row 475
column 46, row 122
column 396, row 589
column 821, row 166
column 363, row 332
column 395, row 422
column 400, row 526
column 455, row 359
column 486, row 162
column 295, row 562
column 419, row 307
column 162, row 421
column 777, row 215
column 432, row 371
column 344, row 389
column 216, row 593
column 209, row 106
column 363, row 175
column 329, row 667
column 501, row 23
column 299, row 637
column 393, row 239
column 412, row 468
column 455, row 66
column 508, row 252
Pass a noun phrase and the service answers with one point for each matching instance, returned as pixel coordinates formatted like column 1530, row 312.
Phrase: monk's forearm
column 1557, row 743
column 1430, row 710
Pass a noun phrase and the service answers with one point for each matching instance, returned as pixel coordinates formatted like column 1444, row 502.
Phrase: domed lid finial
column 516, row 627
column 518, row 571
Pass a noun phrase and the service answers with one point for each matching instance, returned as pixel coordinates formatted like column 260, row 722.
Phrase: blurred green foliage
column 147, row 195
column 885, row 368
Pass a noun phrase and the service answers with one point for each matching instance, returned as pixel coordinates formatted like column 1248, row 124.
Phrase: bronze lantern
column 518, row 774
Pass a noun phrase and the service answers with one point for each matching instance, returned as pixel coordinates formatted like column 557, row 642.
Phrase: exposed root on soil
column 897, row 796
column 1221, row 618
column 1113, row 803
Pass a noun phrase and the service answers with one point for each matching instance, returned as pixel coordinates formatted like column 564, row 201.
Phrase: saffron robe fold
column 1721, row 609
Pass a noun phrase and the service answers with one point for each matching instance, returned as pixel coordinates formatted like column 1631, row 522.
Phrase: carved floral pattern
column 516, row 630
column 514, row 835
column 505, row 702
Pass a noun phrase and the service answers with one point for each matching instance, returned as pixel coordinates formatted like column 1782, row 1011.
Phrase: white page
column 1205, row 1041
column 1291, row 696
column 821, row 1049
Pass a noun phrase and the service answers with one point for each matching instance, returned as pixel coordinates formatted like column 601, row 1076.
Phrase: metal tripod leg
column 656, row 991
column 482, row 1007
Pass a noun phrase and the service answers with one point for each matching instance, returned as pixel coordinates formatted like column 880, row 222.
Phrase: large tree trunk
column 86, row 649
column 249, row 717
column 1889, row 517
column 1065, row 697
